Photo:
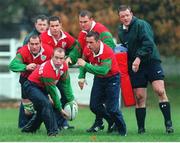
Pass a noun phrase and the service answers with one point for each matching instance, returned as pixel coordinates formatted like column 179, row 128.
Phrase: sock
column 140, row 117
column 165, row 109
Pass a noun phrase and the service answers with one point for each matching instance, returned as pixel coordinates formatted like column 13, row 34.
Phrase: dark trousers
column 104, row 101
column 42, row 105
column 23, row 118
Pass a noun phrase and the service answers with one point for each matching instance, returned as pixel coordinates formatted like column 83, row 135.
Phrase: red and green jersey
column 104, row 33
column 66, row 42
column 47, row 75
column 24, row 57
column 103, row 64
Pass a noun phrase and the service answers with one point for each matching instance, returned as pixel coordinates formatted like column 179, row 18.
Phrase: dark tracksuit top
column 139, row 39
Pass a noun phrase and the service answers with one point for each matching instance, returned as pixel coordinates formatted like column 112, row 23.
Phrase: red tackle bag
column 126, row 88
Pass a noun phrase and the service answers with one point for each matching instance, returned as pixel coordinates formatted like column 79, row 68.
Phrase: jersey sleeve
column 51, row 88
column 74, row 52
column 107, row 38
column 146, row 36
column 102, row 69
column 17, row 65
column 65, row 85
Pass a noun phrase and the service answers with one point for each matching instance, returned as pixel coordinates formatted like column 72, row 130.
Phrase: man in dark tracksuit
column 144, row 65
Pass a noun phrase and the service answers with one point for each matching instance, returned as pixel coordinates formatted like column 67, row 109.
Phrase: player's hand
column 31, row 67
column 68, row 61
column 136, row 63
column 81, row 62
column 81, row 83
column 64, row 114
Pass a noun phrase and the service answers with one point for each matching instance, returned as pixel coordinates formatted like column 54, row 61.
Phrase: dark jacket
column 139, row 39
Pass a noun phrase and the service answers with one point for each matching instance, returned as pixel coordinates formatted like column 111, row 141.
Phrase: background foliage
column 162, row 14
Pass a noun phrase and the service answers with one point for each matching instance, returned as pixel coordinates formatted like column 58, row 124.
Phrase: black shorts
column 150, row 72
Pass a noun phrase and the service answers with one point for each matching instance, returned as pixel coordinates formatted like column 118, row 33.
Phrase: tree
column 162, row 15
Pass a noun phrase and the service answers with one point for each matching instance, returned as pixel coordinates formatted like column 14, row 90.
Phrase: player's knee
column 139, row 96
column 140, row 99
column 160, row 92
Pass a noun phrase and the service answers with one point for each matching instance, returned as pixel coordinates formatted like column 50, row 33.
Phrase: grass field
column 155, row 130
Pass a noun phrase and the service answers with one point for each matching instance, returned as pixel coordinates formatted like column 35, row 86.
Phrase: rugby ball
column 71, row 108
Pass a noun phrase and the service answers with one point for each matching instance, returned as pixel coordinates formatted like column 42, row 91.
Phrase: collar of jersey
column 62, row 36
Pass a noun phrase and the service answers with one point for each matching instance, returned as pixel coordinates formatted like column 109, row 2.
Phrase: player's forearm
column 51, row 88
column 97, row 70
column 53, row 91
column 17, row 65
column 65, row 85
column 102, row 69
column 82, row 73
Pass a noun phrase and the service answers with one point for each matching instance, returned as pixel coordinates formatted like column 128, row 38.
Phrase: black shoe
column 52, row 134
column 67, row 127
column 28, row 130
column 95, row 128
column 169, row 128
column 141, row 131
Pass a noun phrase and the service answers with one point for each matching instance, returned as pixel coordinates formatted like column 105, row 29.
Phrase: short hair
column 54, row 18
column 123, row 8
column 93, row 34
column 42, row 17
column 84, row 13
column 60, row 50
column 34, row 36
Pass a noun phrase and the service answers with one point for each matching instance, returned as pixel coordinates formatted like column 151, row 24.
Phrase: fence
column 9, row 86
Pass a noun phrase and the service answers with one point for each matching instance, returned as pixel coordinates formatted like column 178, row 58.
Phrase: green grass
column 155, row 130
